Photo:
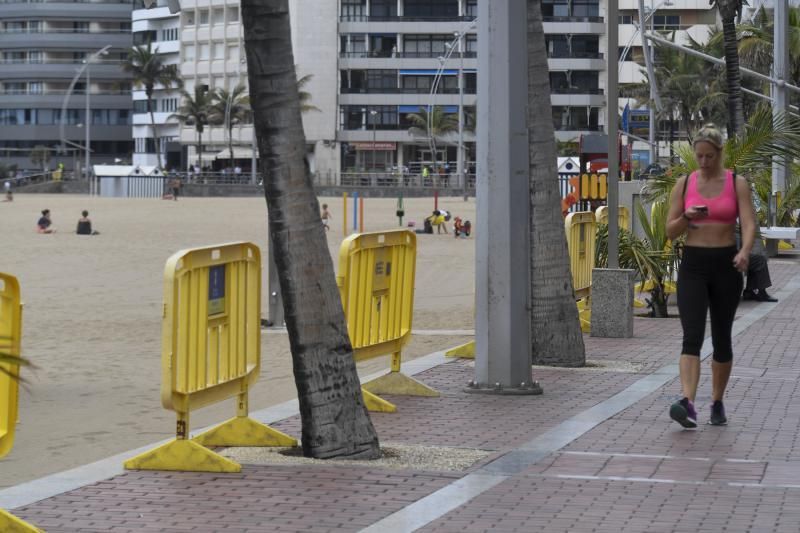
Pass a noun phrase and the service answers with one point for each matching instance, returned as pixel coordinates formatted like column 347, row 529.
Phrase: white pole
column 780, row 70
column 612, row 122
column 652, row 126
column 460, row 164
column 87, row 120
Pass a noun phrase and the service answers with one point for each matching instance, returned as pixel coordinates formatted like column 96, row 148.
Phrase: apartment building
column 681, row 18
column 212, row 54
column 159, row 25
column 49, row 49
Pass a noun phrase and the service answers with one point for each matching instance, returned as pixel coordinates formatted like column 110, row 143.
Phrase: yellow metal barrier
column 623, row 216
column 211, row 351
column 376, row 284
column 594, row 186
column 10, row 344
column 581, row 230
column 10, row 334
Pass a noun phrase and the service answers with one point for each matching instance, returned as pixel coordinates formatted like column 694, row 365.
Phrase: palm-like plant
column 305, row 96
column 432, row 123
column 148, row 70
column 197, row 111
column 751, row 154
column 230, row 108
column 653, row 258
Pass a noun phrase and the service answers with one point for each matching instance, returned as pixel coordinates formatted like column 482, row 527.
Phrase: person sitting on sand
column 85, row 225
column 45, row 225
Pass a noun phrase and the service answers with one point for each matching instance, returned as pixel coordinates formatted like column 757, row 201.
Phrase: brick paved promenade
column 596, row 453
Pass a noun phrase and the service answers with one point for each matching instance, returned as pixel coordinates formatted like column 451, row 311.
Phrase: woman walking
column 705, row 206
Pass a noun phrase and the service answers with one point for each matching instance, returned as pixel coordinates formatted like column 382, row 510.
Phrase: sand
column 92, row 315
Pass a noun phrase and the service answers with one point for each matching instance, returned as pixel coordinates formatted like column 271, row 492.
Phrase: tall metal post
column 460, row 163
column 502, row 343
column 612, row 125
column 87, row 124
column 780, row 103
column 652, row 125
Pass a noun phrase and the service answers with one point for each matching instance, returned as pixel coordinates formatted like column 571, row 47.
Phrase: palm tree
column 230, row 108
column 432, row 123
column 335, row 422
column 197, row 111
column 305, row 96
column 555, row 326
column 763, row 137
column 729, row 11
column 148, row 70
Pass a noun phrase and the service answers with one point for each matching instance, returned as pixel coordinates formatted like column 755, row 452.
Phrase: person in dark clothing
column 85, row 225
column 758, row 276
column 45, row 225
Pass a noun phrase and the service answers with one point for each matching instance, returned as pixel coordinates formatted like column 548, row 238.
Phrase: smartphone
column 702, row 208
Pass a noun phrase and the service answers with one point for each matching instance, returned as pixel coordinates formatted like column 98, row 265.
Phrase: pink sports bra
column 722, row 209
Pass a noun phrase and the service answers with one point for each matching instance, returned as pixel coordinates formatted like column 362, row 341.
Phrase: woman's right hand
column 696, row 212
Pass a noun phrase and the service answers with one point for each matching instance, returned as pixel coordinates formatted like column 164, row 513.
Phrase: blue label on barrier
column 216, row 290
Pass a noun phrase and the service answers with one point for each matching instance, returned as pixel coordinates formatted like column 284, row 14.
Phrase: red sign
column 384, row 146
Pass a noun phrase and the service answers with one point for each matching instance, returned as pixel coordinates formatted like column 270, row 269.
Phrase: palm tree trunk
column 556, row 332
column 157, row 146
column 200, row 150
column 733, row 77
column 335, row 422
column 230, row 144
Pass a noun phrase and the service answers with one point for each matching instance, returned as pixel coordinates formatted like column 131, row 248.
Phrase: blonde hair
column 711, row 134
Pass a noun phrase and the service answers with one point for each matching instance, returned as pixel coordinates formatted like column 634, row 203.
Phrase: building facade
column 683, row 19
column 158, row 25
column 48, row 51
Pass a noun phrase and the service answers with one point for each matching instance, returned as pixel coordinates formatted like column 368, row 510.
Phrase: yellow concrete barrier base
column 11, row 524
column 244, row 431
column 466, row 351
column 182, row 455
column 399, row 384
column 376, row 404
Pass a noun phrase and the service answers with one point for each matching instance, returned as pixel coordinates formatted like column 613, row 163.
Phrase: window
column 203, row 17
column 15, row 27
column 203, row 51
column 426, row 45
column 625, row 19
column 14, row 57
column 35, row 87
column 35, row 26
column 353, row 9
column 218, row 50
column 555, row 8
column 628, row 56
column 428, row 9
column 80, row 26
column 169, row 34
column 232, row 53
column 471, row 8
column 585, row 8
column 233, row 14
column 218, row 15
column 188, row 18
column 667, row 22
column 382, row 79
column 125, row 26
column 383, row 8
column 144, row 37
column 188, row 52
column 354, row 44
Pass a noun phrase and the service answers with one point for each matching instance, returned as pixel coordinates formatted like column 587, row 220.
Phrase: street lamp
column 102, row 52
column 460, row 166
column 373, row 114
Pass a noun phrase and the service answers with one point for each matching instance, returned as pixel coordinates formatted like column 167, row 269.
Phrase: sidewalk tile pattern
column 635, row 472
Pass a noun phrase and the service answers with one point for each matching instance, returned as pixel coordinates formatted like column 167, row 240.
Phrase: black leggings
column 707, row 280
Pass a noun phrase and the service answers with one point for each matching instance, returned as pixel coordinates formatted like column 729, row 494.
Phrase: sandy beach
column 92, row 315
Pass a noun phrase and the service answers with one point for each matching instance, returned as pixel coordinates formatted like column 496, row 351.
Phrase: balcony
column 575, row 90
column 365, row 18
column 578, row 127
column 76, row 9
column 566, row 54
column 402, row 90
column 573, row 18
column 404, row 55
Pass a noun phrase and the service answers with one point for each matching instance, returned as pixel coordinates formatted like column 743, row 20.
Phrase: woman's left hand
column 741, row 261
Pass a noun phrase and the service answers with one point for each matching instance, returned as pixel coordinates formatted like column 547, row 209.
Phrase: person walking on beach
column 325, row 216
column 175, row 186
column 705, row 206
